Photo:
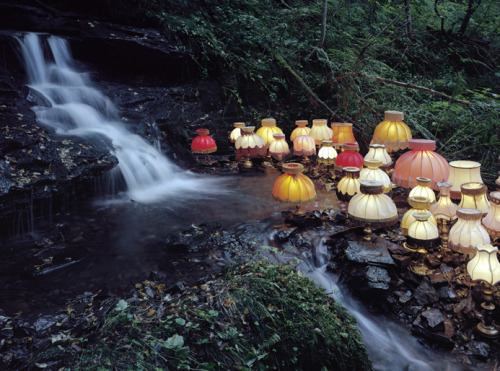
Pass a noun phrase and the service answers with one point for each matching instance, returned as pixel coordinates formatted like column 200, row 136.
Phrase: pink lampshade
column 421, row 161
column 304, row 145
column 350, row 157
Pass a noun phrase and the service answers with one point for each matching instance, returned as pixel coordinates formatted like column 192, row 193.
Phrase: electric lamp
column 392, row 132
column 467, row 232
column 463, row 172
column 474, row 197
column 250, row 145
column 485, row 267
column 279, row 147
column 491, row 222
column 342, row 133
column 203, row 144
column 236, row 133
column 301, row 129
column 422, row 236
column 349, row 157
column 421, row 161
column 379, row 152
column 417, row 203
column 444, row 210
column 320, row 131
column 327, row 154
column 349, row 185
column 423, row 189
column 305, row 146
column 293, row 187
column 268, row 129
column 372, row 171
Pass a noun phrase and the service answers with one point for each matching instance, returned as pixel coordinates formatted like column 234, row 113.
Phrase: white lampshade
column 422, row 189
column 463, row 172
column 444, row 208
column 372, row 171
column 320, row 131
column 485, row 266
column 491, row 222
column 421, row 228
column 250, row 144
column 379, row 152
column 418, row 204
column 327, row 154
column 279, row 147
column 467, row 232
column 236, row 133
column 304, row 146
column 474, row 197
column 349, row 185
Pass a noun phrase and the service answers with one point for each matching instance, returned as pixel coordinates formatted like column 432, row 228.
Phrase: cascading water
column 66, row 102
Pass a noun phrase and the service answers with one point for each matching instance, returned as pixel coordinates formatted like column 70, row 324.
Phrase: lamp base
column 248, row 163
column 299, row 211
column 489, row 331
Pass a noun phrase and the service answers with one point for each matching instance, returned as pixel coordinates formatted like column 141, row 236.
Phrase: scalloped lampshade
column 268, row 129
column 491, row 222
column 203, row 143
column 279, row 147
column 422, row 228
column 379, row 152
column 301, row 129
column 304, row 145
column 250, row 144
column 342, row 133
column 392, row 132
column 444, row 208
column 474, row 197
column 327, row 154
column 349, row 157
column 417, row 203
column 320, row 131
column 236, row 133
column 463, row 172
column 349, row 185
column 372, row 171
column 293, row 187
column 423, row 189
column 467, row 232
column 485, row 266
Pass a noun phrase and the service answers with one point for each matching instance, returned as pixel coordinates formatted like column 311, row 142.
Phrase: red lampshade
column 421, row 161
column 350, row 157
column 203, row 143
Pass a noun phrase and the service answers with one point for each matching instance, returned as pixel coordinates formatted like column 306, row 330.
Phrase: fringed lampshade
column 463, row 172
column 203, row 143
column 491, row 222
column 349, row 157
column 342, row 133
column 250, row 145
column 327, row 154
column 379, row 152
column 422, row 232
column 474, row 197
column 301, row 129
column 304, row 145
column 279, row 147
column 372, row 171
column 418, row 204
column 421, row 161
column 293, row 187
column 320, row 131
column 268, row 129
column 467, row 232
column 423, row 189
column 236, row 133
column 349, row 185
column 444, row 208
column 392, row 132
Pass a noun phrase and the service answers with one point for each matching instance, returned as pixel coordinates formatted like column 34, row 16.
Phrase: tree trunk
column 323, row 24
column 439, row 15
column 470, row 11
column 409, row 32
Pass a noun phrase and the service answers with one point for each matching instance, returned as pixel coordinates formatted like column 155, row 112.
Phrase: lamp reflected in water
column 293, row 187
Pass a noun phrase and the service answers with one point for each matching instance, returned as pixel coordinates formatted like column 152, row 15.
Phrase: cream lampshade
column 349, row 185
column 474, row 197
column 392, row 132
column 342, row 133
column 301, row 129
column 491, row 222
column 372, row 171
column 236, row 133
column 304, row 145
column 463, row 172
column 327, row 154
column 320, row 131
column 467, row 232
column 279, row 147
column 379, row 152
column 444, row 208
column 423, row 189
column 268, row 129
column 422, row 229
column 417, row 203
column 250, row 145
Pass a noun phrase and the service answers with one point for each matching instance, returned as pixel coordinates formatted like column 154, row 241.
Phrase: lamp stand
column 280, row 160
column 247, row 163
column 486, row 327
column 367, row 231
column 299, row 211
column 267, row 162
column 419, row 268
column 443, row 233
column 305, row 160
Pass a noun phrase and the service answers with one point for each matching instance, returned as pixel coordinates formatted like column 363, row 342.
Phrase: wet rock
column 425, row 294
column 368, row 253
column 446, row 293
column 437, row 278
column 378, row 278
column 479, row 349
column 249, row 235
column 282, row 236
column 192, row 239
column 433, row 319
column 47, row 321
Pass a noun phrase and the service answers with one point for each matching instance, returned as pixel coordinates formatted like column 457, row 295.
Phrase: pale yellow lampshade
column 301, row 129
column 304, row 145
column 293, row 187
column 236, row 133
column 268, row 129
column 422, row 228
column 320, row 131
column 349, row 184
column 491, row 222
column 485, row 266
column 372, row 171
column 463, row 172
column 327, row 154
column 392, row 132
column 342, row 133
column 417, row 203
column 250, row 144
column 279, row 147
column 444, row 208
column 467, row 232
column 379, row 152
column 474, row 197
column 423, row 189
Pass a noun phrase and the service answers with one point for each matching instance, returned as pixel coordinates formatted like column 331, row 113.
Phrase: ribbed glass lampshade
column 372, row 171
column 327, row 154
column 467, row 232
column 392, row 132
column 379, row 152
column 423, row 189
column 268, row 129
column 349, row 184
column 371, row 206
column 203, row 143
column 301, row 129
column 491, row 222
column 236, row 133
column 293, row 187
column 320, row 131
column 422, row 229
column 485, row 266
column 463, row 172
column 304, row 145
column 444, row 208
column 349, row 157
column 418, row 204
column 250, row 144
column 421, row 161
column 279, row 147
column 474, row 197
column 342, row 133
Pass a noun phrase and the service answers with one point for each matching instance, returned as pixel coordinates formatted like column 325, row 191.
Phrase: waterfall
column 66, row 102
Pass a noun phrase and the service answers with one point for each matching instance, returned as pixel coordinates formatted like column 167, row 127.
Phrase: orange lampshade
column 392, row 132
column 279, row 147
column 293, row 187
column 250, row 144
column 463, row 172
column 203, row 143
column 423, row 189
column 474, row 197
column 491, row 222
column 444, row 208
column 301, row 129
column 320, row 131
column 268, row 129
column 327, row 154
column 349, row 185
column 342, row 133
column 304, row 145
column 236, row 133
column 467, row 232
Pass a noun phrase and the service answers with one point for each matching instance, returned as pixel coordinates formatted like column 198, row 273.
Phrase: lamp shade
column 422, row 228
column 485, row 266
column 421, row 161
column 349, row 185
column 349, row 157
column 463, row 172
column 320, row 131
column 301, row 129
column 417, row 203
column 268, row 129
column 236, row 133
column 293, row 187
column 444, row 208
column 474, row 197
column 327, row 154
column 491, row 222
column 423, row 189
column 379, row 152
column 279, row 147
column 203, row 143
column 392, row 132
column 304, row 145
column 250, row 144
column 372, row 171
column 371, row 206
column 342, row 133
column 467, row 232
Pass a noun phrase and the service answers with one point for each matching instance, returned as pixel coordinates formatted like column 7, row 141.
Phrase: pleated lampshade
column 474, row 197
column 422, row 229
column 293, row 187
column 372, row 171
column 491, row 222
column 236, row 133
column 342, row 133
column 417, row 203
column 320, row 131
column 463, row 172
column 250, row 144
column 203, row 143
column 349, row 157
column 279, row 147
column 392, row 132
column 327, row 154
column 379, row 152
column 467, row 232
column 268, row 129
column 304, row 145
column 423, row 189
column 349, row 184
column 485, row 266
column 444, row 208
column 421, row 161
column 301, row 129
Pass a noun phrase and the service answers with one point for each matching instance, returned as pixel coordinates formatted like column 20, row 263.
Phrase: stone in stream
column 425, row 293
column 368, row 253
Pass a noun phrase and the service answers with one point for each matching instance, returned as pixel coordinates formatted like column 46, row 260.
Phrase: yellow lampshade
column 320, row 131
column 236, row 133
column 463, row 172
column 279, row 147
column 372, row 171
column 474, row 197
column 250, row 144
column 392, row 132
column 444, row 208
column 371, row 206
column 293, row 187
column 491, row 222
column 342, row 133
column 467, row 232
column 304, row 145
column 268, row 129
column 423, row 189
column 301, row 129
column 418, row 204
column 327, row 154
column 379, row 152
column 485, row 266
column 349, row 185
column 422, row 228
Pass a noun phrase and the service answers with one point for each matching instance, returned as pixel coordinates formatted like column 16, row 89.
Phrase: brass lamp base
column 487, row 328
column 489, row 331
column 299, row 211
column 248, row 163
column 367, row 232
column 419, row 267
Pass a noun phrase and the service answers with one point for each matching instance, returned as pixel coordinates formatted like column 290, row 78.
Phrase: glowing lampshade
column 236, row 133
column 268, row 129
column 301, row 129
column 379, row 152
column 418, row 204
column 372, row 207
column 203, row 143
column 349, row 185
column 422, row 229
column 474, row 197
column 250, row 144
column 372, row 171
column 342, row 133
column 444, row 208
column 304, row 145
column 320, row 131
column 423, row 189
column 463, row 172
column 327, row 154
column 350, row 157
column 421, row 161
column 279, row 147
column 467, row 232
column 491, row 222
column 485, row 266
column 392, row 132
column 293, row 187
